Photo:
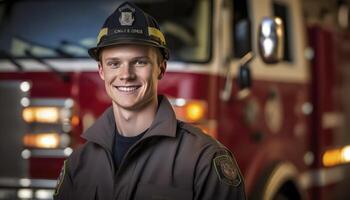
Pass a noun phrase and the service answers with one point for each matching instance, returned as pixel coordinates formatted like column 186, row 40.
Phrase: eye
column 113, row 64
column 141, row 62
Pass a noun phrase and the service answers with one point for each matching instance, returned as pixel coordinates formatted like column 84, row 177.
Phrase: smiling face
column 131, row 74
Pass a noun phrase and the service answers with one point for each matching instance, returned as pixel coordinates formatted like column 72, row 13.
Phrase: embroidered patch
column 60, row 178
column 227, row 170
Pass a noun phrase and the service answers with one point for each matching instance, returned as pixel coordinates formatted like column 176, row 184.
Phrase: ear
column 162, row 68
column 100, row 70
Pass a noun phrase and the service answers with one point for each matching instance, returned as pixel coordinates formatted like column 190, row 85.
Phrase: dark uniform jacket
column 173, row 160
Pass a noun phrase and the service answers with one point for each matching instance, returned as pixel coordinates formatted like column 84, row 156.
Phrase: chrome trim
column 27, row 183
column 322, row 177
column 179, row 102
column 226, row 92
column 60, row 102
column 49, row 153
column 271, row 40
column 25, row 86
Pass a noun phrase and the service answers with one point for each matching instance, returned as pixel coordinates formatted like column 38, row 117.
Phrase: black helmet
column 128, row 24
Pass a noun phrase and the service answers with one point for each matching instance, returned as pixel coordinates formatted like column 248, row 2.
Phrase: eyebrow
column 134, row 58
column 112, row 59
column 141, row 57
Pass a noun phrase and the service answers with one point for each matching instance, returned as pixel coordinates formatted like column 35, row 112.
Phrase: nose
column 127, row 72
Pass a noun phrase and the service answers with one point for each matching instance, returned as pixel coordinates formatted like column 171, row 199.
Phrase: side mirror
column 271, row 40
column 242, row 38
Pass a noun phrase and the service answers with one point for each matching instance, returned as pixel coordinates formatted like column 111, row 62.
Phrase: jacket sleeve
column 64, row 185
column 218, row 177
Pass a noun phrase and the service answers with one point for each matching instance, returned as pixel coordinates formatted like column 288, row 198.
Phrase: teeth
column 127, row 89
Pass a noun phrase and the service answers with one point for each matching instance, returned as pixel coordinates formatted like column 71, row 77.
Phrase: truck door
column 264, row 124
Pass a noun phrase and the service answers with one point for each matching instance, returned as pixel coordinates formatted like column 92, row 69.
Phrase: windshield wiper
column 8, row 56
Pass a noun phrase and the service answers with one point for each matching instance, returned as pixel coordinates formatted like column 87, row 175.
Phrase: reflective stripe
column 155, row 32
column 322, row 177
column 102, row 33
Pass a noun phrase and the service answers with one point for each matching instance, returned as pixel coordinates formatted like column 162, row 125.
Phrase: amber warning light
column 195, row 111
column 42, row 140
column 336, row 156
column 41, row 114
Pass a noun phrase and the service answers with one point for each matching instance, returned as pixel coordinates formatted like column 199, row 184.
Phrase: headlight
column 50, row 122
column 45, row 140
column 41, row 114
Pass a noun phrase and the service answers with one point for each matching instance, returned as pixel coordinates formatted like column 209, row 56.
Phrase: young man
column 137, row 149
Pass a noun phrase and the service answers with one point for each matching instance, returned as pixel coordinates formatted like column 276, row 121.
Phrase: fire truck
column 250, row 73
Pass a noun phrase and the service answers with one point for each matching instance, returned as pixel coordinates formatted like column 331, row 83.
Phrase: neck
column 133, row 122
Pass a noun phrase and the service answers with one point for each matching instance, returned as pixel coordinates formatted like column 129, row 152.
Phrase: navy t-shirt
column 122, row 145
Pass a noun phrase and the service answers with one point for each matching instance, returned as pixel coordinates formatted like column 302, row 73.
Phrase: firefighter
column 137, row 149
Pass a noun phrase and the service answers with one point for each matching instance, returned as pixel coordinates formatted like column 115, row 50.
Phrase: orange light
column 42, row 140
column 336, row 156
column 75, row 120
column 41, row 114
column 28, row 115
column 195, row 111
column 190, row 110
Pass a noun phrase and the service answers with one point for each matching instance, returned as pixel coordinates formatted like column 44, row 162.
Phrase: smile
column 127, row 88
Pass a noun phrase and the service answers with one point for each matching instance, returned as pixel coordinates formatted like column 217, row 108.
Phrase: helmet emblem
column 127, row 15
column 126, row 19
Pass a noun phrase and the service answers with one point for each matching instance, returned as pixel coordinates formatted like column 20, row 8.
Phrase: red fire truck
column 287, row 126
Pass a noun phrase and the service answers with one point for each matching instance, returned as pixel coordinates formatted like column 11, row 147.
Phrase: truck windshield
column 66, row 29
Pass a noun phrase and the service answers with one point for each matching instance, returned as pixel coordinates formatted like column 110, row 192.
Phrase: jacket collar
column 103, row 130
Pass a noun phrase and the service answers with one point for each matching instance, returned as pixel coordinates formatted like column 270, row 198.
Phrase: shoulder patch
column 227, row 170
column 60, row 178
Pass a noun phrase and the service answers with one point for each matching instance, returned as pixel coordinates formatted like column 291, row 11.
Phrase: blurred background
column 270, row 79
